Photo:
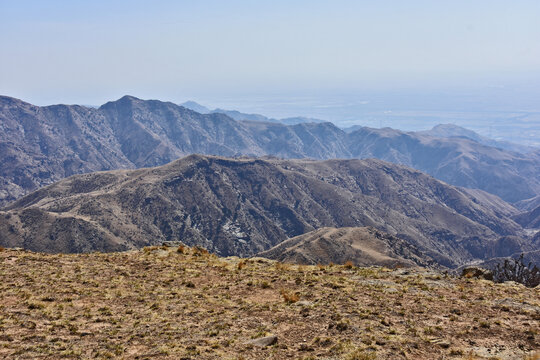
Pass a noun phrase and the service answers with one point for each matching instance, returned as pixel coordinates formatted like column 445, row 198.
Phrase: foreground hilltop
column 184, row 303
column 244, row 206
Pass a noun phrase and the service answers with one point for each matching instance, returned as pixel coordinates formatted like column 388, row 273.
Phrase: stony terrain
column 165, row 303
column 244, row 206
column 40, row 145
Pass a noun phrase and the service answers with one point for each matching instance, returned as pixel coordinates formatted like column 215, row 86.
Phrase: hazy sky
column 90, row 52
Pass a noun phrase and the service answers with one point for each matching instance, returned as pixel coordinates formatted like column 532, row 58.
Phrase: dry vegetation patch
column 163, row 303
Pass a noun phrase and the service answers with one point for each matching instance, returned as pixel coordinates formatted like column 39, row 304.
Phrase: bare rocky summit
column 245, row 206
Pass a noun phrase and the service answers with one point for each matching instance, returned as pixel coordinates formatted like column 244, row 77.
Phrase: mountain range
column 245, row 206
column 240, row 116
column 41, row 145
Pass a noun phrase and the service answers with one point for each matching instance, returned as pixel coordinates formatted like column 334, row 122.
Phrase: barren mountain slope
column 40, row 145
column 457, row 161
column 244, row 206
column 362, row 246
column 528, row 204
column 529, row 219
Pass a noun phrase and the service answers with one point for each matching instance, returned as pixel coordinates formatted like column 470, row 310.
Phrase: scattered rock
column 4, row 337
column 28, row 324
column 262, row 260
column 441, row 342
column 161, row 253
column 511, row 303
column 264, row 341
column 305, row 347
column 173, row 243
column 477, row 272
column 439, row 284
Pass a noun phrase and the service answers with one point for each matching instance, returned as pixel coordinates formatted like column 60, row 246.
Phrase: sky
column 90, row 52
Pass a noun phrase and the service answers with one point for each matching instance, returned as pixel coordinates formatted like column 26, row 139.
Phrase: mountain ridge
column 41, row 145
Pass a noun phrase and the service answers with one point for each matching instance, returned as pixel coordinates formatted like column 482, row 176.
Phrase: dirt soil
column 162, row 303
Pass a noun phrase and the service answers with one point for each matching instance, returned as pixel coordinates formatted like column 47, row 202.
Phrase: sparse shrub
column 34, row 305
column 342, row 326
column 456, row 352
column 516, row 270
column 476, row 272
column 265, row 285
column 484, row 324
column 200, row 251
column 290, row 298
column 360, row 354
column 149, row 249
column 281, row 266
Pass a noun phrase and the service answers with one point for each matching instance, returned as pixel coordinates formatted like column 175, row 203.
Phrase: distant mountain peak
column 129, row 98
column 456, row 131
column 192, row 105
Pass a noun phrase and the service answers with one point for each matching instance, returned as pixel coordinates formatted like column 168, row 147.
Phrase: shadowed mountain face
column 529, row 219
column 244, row 206
column 528, row 204
column 40, row 145
column 363, row 246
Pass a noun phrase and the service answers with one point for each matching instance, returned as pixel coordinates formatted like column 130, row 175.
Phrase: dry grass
column 289, row 298
column 168, row 304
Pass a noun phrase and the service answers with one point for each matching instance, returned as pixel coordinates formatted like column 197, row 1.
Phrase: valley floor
column 162, row 303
